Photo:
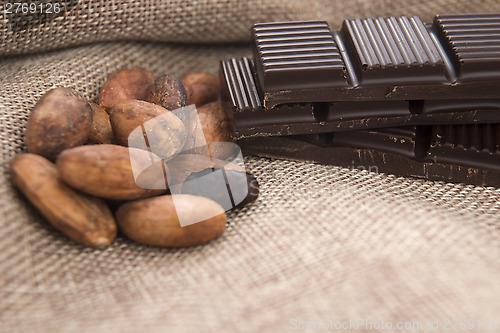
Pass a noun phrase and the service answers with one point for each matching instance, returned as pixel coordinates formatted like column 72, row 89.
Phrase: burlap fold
column 183, row 21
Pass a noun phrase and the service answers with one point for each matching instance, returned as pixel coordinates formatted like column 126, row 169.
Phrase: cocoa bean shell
column 101, row 126
column 201, row 88
column 106, row 171
column 85, row 219
column 164, row 132
column 61, row 119
column 217, row 127
column 182, row 166
column 154, row 221
column 127, row 84
column 168, row 92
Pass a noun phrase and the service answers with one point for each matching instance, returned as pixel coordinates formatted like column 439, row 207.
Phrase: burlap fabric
column 321, row 242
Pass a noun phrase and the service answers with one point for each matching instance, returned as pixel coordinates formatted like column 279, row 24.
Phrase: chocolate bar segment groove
column 297, row 54
column 396, row 51
column 373, row 73
column 473, row 40
column 409, row 141
column 239, row 79
column 472, row 145
column 378, row 59
column 252, row 119
column 464, row 153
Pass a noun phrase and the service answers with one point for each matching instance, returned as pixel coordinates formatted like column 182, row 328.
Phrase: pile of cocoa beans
column 78, row 174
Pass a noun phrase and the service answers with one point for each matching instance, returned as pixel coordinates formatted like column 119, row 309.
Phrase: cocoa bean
column 154, row 221
column 101, row 126
column 159, row 129
column 131, row 83
column 60, row 120
column 237, row 189
column 182, row 166
column 107, row 171
column 217, row 125
column 84, row 219
column 168, row 92
column 201, row 88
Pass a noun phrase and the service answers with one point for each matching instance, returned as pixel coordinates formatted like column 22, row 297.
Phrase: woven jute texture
column 320, row 243
column 183, row 21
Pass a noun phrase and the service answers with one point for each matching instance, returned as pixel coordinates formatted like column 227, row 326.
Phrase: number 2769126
column 32, row 8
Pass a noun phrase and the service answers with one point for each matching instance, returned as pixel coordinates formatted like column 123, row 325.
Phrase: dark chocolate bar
column 457, row 153
column 372, row 73
column 378, row 59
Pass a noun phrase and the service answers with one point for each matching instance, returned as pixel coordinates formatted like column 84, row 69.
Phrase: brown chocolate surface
column 460, row 153
column 373, row 73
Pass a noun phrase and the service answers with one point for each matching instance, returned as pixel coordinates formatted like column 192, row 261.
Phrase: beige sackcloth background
column 321, row 242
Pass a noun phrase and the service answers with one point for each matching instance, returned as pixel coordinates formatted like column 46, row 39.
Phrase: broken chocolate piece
column 459, row 153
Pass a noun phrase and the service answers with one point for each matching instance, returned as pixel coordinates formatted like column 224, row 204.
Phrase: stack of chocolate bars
column 393, row 95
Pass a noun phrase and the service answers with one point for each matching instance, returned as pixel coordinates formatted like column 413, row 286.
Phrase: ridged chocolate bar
column 473, row 43
column 372, row 73
column 394, row 51
column 297, row 54
column 378, row 59
column 457, row 153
